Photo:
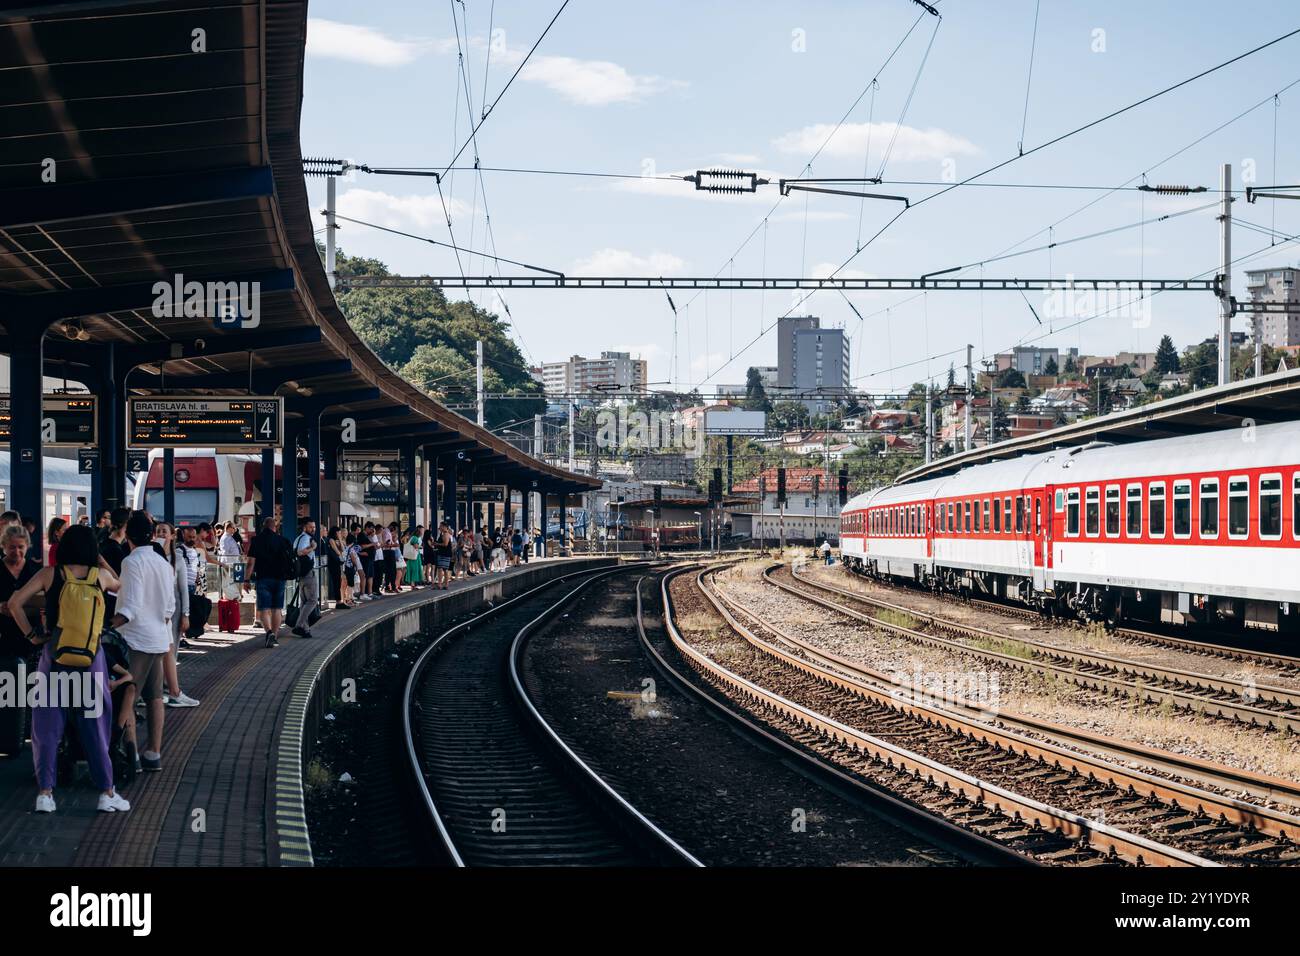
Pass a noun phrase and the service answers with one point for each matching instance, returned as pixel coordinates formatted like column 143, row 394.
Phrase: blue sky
column 670, row 87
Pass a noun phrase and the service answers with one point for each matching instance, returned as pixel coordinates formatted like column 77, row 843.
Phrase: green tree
column 1010, row 378
column 1051, row 368
column 1001, row 424
column 1201, row 363
column 787, row 416
column 1166, row 356
column 1099, row 397
column 430, row 341
column 755, row 394
column 1071, row 367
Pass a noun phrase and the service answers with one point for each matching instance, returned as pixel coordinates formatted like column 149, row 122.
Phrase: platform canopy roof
column 126, row 158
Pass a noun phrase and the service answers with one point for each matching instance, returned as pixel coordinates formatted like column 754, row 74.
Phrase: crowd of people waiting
column 115, row 602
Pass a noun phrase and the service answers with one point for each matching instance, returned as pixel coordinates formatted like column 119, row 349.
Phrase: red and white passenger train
column 1198, row 529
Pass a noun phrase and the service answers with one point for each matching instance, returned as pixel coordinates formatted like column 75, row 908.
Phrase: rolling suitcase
column 228, row 616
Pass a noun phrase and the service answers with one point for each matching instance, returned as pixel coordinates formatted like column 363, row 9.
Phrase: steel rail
column 958, row 839
column 638, row 821
column 1099, row 836
column 1135, row 688
column 413, row 682
column 972, row 721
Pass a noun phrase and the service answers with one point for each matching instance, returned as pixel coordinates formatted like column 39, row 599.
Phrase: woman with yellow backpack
column 74, row 679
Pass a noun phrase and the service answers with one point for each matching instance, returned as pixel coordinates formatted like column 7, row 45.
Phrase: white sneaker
column 45, row 803
column 184, row 700
column 112, row 803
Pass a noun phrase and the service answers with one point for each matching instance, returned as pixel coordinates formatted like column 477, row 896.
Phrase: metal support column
column 470, row 517
column 411, row 491
column 448, row 467
column 169, row 486
column 1225, row 281
column 312, row 430
column 26, row 469
column 492, row 517
column 289, row 479
column 268, row 487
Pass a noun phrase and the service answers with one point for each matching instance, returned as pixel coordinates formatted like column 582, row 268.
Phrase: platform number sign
column 137, row 462
column 87, row 460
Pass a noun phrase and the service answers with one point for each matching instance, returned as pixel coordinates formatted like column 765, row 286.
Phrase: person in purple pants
column 87, row 689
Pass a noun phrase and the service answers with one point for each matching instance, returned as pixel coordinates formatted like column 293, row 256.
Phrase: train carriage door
column 927, row 527
column 1040, row 526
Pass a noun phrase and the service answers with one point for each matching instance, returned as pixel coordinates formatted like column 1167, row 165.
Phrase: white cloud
column 360, row 44
column 621, row 262
column 397, row 212
column 585, row 82
column 593, row 82
column 850, row 140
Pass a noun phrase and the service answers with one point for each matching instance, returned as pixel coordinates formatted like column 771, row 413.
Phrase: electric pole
column 479, row 352
column 1225, row 280
column 970, row 387
column 929, row 426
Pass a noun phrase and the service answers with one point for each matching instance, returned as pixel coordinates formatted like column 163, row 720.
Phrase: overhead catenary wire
column 1029, row 79
column 513, row 76
column 1006, row 162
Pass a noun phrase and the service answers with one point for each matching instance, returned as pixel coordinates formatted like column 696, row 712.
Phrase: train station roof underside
column 130, row 158
column 1256, row 401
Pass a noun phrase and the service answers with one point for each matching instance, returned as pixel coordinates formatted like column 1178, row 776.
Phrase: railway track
column 1147, row 819
column 721, row 786
column 1280, row 798
column 497, row 783
column 1260, row 705
column 1222, row 649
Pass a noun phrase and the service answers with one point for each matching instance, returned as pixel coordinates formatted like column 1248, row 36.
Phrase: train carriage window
column 1133, row 511
column 1020, row 514
column 1112, row 511
column 951, row 509
column 1182, row 509
column 1092, row 512
column 1295, row 505
column 987, row 526
column 1072, row 512
column 997, row 515
column 1156, row 519
column 1238, row 507
column 1209, row 507
column 1038, row 516
column 1006, row 510
column 968, row 525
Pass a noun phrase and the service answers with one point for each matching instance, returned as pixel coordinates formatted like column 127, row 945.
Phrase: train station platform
column 230, row 791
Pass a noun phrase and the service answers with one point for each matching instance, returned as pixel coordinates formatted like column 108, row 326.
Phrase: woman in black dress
column 334, row 564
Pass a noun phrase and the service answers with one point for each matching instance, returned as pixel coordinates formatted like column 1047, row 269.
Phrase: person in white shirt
column 146, row 605
column 308, row 584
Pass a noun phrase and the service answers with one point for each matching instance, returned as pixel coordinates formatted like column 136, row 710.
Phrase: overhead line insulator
column 731, row 181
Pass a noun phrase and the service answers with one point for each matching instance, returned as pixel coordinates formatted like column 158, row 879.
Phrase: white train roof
column 1225, row 450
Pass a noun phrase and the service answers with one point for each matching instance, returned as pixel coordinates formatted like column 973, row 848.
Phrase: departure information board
column 65, row 420
column 205, row 422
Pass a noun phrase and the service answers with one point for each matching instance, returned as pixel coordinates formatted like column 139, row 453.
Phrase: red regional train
column 1200, row 529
